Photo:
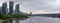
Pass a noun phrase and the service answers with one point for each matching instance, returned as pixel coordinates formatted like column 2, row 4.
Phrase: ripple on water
column 39, row 19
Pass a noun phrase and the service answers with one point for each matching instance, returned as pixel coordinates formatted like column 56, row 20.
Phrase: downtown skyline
column 38, row 6
column 4, row 9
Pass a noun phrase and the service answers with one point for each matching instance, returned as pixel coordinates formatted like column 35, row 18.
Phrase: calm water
column 39, row 19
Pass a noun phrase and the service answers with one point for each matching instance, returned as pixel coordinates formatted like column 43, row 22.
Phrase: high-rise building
column 4, row 6
column 7, row 10
column 0, row 9
column 17, row 9
column 11, row 7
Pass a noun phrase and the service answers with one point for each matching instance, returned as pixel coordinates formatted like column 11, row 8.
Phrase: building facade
column 0, row 9
column 11, row 7
column 7, row 10
column 17, row 9
column 4, row 6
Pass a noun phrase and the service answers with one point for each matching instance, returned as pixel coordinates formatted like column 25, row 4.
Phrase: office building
column 17, row 9
column 0, row 9
column 11, row 7
column 4, row 6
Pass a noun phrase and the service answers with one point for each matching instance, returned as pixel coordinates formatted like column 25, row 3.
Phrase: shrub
column 10, row 16
column 6, row 16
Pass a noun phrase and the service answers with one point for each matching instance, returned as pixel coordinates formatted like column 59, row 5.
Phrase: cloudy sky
column 37, row 6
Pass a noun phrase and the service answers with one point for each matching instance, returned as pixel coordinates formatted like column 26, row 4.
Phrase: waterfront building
column 17, row 9
column 0, row 9
column 4, row 6
column 11, row 7
column 7, row 10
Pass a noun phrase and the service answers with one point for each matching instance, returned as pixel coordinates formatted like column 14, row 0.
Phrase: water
column 39, row 19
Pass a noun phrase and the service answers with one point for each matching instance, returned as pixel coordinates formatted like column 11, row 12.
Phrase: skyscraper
column 0, row 9
column 11, row 7
column 17, row 9
column 7, row 10
column 4, row 6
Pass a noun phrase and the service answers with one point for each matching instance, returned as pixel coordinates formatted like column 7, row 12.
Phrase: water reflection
column 38, row 19
column 17, row 20
column 10, row 21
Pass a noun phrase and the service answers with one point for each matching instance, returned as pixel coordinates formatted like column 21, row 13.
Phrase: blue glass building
column 11, row 7
column 4, row 6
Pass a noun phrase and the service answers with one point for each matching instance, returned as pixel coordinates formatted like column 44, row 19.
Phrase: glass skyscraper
column 17, row 9
column 11, row 7
column 4, row 6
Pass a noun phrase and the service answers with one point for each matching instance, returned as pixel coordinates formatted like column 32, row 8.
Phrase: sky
column 37, row 6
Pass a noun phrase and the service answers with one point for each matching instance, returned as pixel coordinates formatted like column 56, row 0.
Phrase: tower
column 11, row 7
column 7, row 10
column 4, row 6
column 17, row 9
column 0, row 9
